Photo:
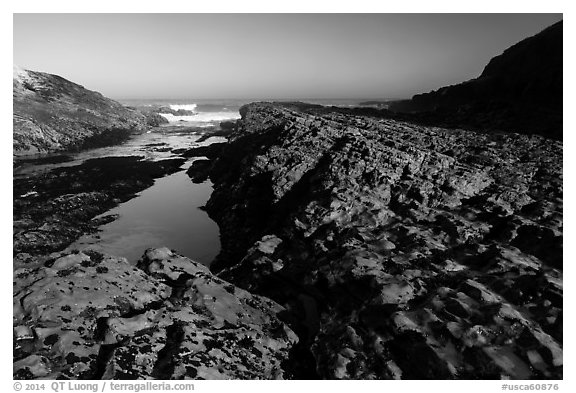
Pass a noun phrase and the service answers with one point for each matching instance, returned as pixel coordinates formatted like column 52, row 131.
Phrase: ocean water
column 204, row 113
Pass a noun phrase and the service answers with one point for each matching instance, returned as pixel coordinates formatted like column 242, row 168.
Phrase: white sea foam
column 186, row 107
column 202, row 117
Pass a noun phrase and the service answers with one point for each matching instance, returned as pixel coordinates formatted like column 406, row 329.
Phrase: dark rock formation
column 520, row 91
column 52, row 113
column 228, row 125
column 398, row 250
column 210, row 151
column 199, row 171
column 93, row 316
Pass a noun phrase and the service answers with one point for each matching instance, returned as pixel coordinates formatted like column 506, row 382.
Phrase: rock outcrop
column 399, row 250
column 52, row 113
column 519, row 90
column 92, row 316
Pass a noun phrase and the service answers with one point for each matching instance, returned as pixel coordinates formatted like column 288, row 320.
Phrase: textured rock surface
column 519, row 90
column 401, row 251
column 92, row 316
column 52, row 113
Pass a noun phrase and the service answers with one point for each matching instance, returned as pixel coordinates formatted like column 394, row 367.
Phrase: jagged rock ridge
column 52, row 113
column 401, row 251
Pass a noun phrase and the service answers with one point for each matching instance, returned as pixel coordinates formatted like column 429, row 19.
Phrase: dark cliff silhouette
column 518, row 91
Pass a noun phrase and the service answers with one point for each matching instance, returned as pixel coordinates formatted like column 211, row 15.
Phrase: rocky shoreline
column 401, row 251
column 353, row 247
column 88, row 315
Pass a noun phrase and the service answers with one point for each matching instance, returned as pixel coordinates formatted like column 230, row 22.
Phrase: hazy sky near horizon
column 267, row 55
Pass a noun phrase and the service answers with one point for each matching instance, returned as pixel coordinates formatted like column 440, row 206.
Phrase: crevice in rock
column 302, row 317
column 103, row 358
column 164, row 367
column 101, row 329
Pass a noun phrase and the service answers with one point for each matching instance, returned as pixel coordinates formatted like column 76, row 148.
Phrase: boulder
column 87, row 315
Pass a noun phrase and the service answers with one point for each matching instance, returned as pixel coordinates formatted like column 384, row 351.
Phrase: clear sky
column 267, row 55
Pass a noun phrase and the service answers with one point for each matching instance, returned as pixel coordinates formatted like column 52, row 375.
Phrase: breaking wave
column 186, row 107
column 202, row 117
column 203, row 114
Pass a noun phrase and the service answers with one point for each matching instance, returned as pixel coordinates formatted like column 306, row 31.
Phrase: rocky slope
column 52, row 113
column 398, row 250
column 92, row 316
column 519, row 90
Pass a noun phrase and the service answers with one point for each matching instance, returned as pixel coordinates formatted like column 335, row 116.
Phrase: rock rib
column 401, row 251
